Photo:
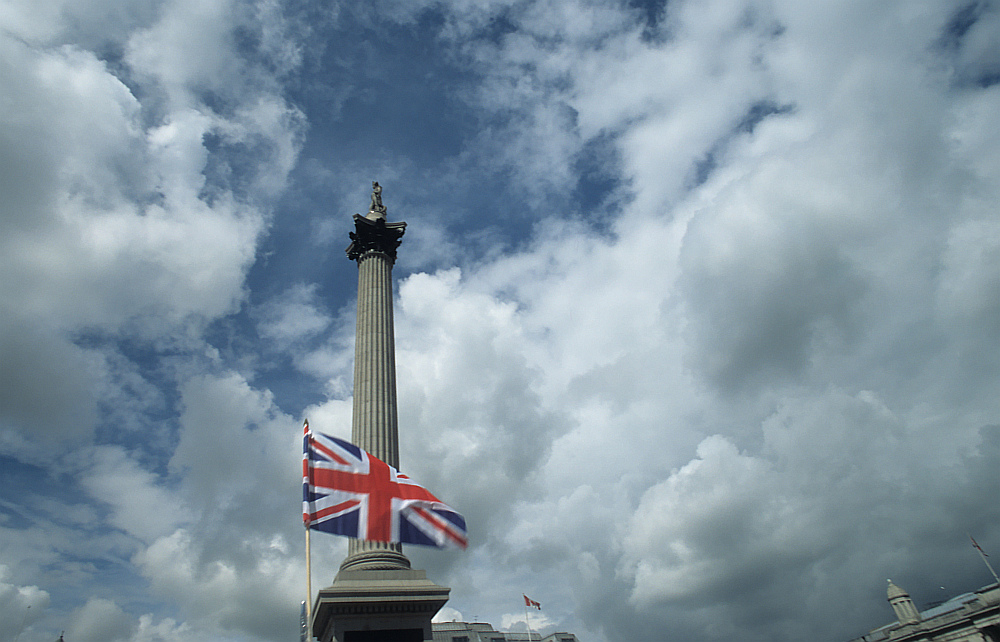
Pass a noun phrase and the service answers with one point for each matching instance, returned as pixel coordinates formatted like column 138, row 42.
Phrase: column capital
column 375, row 235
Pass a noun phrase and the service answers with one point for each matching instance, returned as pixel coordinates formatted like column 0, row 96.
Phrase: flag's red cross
column 381, row 489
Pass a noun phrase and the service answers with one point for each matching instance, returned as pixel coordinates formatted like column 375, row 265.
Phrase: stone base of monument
column 366, row 605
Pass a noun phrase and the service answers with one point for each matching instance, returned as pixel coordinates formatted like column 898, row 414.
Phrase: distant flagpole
column 530, row 602
column 23, row 620
column 983, row 555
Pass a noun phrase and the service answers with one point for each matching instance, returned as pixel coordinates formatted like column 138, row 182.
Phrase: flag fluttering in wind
column 347, row 491
column 978, row 547
column 530, row 602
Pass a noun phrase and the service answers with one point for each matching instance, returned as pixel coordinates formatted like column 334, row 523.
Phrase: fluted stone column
column 375, row 424
column 376, row 596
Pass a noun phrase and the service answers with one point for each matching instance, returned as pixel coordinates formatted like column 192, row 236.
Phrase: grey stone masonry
column 394, row 605
column 376, row 596
column 375, row 424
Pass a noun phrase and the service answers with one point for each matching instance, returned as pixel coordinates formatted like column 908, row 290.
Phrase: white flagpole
column 309, row 588
column 24, row 619
column 985, row 561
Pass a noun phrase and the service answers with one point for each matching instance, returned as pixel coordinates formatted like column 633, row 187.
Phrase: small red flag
column 530, row 602
column 978, row 547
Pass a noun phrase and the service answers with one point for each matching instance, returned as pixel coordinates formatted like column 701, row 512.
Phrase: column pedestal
column 366, row 605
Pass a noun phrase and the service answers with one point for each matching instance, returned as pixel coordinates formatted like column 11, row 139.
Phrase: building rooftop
column 969, row 616
column 483, row 632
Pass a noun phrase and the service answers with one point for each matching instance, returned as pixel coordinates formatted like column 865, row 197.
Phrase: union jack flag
column 346, row 491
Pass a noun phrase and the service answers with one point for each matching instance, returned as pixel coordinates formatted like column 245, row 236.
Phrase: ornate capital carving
column 375, row 235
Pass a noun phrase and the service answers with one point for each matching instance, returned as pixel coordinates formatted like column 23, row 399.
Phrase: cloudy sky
column 697, row 319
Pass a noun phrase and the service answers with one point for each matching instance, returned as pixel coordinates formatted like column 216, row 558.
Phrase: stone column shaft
column 375, row 426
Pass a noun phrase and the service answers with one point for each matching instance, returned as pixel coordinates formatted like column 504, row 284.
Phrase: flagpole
column 526, row 623
column 982, row 554
column 24, row 619
column 309, row 589
column 307, row 475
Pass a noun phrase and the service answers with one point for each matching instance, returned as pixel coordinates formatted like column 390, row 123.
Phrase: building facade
column 970, row 617
column 483, row 632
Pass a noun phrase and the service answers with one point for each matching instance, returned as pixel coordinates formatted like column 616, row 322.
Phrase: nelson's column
column 376, row 596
